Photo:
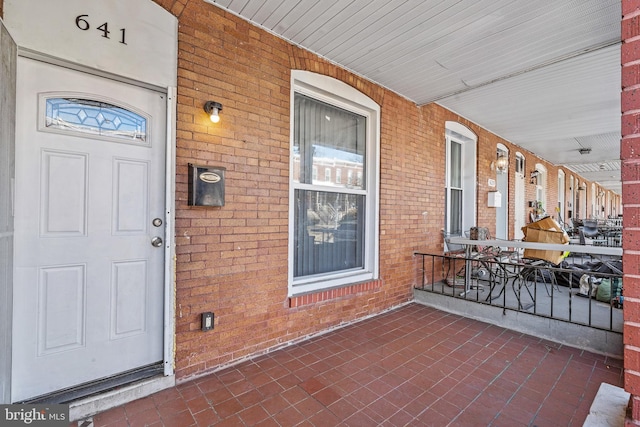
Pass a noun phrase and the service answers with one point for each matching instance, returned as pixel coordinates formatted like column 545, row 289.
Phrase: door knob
column 156, row 241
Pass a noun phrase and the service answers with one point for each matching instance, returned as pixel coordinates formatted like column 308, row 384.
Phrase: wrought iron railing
column 581, row 290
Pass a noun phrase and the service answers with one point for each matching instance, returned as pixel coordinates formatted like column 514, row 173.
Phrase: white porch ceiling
column 544, row 74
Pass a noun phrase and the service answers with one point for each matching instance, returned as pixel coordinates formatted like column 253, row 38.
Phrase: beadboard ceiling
column 543, row 74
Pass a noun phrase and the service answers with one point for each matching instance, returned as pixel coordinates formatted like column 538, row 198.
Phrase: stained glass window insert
column 96, row 118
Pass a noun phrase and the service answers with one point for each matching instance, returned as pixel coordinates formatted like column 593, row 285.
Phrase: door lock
column 156, row 241
column 157, row 222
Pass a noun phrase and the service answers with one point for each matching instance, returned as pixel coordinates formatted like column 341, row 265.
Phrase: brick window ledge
column 316, row 297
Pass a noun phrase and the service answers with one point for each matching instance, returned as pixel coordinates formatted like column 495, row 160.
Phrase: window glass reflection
column 96, row 118
column 328, row 137
column 329, row 232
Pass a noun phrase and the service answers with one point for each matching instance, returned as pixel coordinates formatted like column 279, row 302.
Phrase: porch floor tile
column 413, row 366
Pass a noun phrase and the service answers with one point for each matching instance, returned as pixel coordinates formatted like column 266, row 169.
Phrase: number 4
column 105, row 30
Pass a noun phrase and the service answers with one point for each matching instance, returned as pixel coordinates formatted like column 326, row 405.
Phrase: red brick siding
column 318, row 297
column 233, row 260
column 630, row 155
column 630, row 7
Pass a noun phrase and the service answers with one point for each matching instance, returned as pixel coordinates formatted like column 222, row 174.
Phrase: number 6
column 82, row 23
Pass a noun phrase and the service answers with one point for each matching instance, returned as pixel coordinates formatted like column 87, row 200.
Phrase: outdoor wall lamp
column 502, row 163
column 533, row 178
column 212, row 108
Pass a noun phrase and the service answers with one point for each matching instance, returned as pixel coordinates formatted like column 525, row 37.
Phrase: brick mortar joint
column 631, row 39
column 631, row 15
column 631, row 162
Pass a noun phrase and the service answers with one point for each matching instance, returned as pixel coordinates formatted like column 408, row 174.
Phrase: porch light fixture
column 533, row 178
column 502, row 163
column 212, row 108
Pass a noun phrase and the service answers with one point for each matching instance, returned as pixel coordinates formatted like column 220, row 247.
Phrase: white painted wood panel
column 64, row 194
column 510, row 66
column 61, row 308
column 131, row 196
column 128, row 298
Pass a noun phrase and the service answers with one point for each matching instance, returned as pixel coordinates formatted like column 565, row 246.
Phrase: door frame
column 89, row 405
column 8, row 55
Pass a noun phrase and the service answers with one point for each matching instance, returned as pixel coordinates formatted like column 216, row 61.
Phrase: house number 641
column 83, row 24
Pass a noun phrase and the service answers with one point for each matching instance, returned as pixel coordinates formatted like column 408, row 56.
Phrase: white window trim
column 335, row 92
column 561, row 194
column 595, row 213
column 469, row 177
column 520, row 164
column 541, row 187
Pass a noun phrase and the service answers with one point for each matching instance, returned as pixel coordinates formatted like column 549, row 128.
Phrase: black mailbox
column 206, row 185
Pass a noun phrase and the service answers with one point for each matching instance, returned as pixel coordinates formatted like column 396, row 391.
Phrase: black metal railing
column 581, row 290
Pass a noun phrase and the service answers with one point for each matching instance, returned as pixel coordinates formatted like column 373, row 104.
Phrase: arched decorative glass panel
column 94, row 117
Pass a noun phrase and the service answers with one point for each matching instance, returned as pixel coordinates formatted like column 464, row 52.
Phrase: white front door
column 90, row 180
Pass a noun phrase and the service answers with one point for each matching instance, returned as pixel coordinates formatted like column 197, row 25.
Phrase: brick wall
column 630, row 155
column 233, row 260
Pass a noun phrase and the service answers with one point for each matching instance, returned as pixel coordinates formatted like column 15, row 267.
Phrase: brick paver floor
column 413, row 366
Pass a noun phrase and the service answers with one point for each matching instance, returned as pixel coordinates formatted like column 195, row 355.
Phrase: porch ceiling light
column 212, row 108
column 502, row 163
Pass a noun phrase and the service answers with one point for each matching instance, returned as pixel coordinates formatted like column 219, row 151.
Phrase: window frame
column 329, row 90
column 561, row 194
column 452, row 187
column 520, row 164
column 468, row 141
column 541, row 186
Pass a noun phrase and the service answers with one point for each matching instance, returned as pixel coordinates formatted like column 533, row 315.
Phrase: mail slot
column 206, row 185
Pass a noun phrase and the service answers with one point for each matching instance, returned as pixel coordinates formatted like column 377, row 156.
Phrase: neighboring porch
column 530, row 296
column 414, row 365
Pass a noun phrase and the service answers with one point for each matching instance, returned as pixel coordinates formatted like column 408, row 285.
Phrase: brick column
column 630, row 156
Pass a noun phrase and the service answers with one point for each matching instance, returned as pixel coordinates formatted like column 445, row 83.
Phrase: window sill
column 335, row 293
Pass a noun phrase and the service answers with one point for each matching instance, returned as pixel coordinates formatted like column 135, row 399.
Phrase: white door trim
column 169, row 248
